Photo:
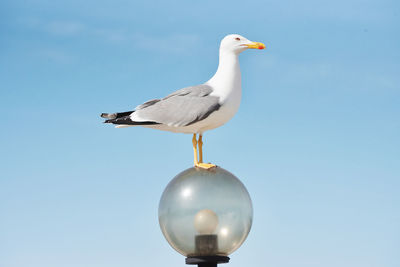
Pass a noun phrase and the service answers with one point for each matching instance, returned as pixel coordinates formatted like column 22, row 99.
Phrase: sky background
column 316, row 140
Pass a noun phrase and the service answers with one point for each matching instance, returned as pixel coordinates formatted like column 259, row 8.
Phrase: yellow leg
column 200, row 163
column 200, row 148
column 194, row 142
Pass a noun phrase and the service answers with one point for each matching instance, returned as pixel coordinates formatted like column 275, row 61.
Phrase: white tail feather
column 123, row 126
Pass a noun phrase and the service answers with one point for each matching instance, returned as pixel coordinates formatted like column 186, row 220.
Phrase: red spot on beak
column 260, row 47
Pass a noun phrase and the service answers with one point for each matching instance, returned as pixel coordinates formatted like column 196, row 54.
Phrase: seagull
column 195, row 109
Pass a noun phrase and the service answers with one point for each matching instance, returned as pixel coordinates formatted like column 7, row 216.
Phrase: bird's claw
column 205, row 165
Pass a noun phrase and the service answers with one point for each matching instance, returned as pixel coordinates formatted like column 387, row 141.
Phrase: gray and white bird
column 199, row 108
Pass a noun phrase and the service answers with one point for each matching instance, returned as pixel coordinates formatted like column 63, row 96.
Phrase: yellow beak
column 256, row 45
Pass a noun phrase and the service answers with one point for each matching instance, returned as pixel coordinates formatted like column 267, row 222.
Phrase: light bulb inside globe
column 205, row 222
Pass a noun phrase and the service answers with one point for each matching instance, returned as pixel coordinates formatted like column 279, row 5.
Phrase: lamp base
column 206, row 261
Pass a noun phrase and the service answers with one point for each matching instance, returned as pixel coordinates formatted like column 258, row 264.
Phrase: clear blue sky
column 316, row 140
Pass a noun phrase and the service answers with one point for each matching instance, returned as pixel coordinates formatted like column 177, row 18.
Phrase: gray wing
column 181, row 108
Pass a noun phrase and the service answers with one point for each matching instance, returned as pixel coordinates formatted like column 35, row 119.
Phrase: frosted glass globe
column 205, row 212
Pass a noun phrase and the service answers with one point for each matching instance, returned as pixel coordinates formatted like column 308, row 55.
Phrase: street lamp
column 205, row 215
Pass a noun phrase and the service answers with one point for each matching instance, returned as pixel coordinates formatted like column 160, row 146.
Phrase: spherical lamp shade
column 205, row 212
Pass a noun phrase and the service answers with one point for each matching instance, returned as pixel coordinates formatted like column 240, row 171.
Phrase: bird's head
column 236, row 43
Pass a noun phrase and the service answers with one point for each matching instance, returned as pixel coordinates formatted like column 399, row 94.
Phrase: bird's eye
column 237, row 39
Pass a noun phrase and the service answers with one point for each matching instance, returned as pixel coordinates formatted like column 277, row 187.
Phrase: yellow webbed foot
column 205, row 165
